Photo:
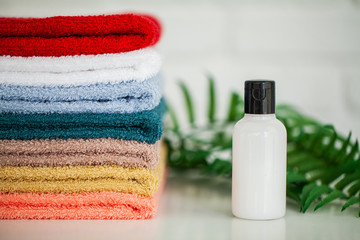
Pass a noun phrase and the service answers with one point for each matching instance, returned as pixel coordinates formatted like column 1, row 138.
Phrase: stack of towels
column 80, row 117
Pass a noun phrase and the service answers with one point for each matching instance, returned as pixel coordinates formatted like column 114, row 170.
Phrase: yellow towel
column 74, row 179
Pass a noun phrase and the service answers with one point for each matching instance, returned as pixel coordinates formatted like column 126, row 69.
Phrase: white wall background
column 310, row 47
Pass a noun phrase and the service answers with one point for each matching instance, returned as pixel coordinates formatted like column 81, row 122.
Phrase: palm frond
column 173, row 117
column 322, row 167
column 315, row 193
column 188, row 102
column 333, row 195
column 212, row 102
column 235, row 107
column 351, row 201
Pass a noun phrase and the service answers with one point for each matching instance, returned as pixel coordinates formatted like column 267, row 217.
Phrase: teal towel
column 145, row 126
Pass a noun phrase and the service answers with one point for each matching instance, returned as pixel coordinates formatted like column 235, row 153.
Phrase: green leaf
column 327, row 151
column 292, row 177
column 227, row 169
column 354, row 188
column 301, row 136
column 305, row 193
column 353, row 200
column 219, row 166
column 335, row 194
column 212, row 103
column 307, row 166
column 314, row 194
column 354, row 150
column 188, row 102
column 316, row 174
column 235, row 99
column 175, row 122
column 296, row 158
column 200, row 155
column 317, row 139
column 293, row 192
column 342, row 153
column 347, row 180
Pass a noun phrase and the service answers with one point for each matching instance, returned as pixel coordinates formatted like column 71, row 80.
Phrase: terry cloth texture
column 143, row 126
column 77, row 35
column 102, row 205
column 71, row 152
column 77, row 179
column 99, row 205
column 136, row 65
column 125, row 97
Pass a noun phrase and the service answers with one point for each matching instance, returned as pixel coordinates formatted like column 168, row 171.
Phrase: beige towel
column 73, row 152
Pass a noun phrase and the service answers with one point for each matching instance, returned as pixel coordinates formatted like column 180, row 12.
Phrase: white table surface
column 195, row 207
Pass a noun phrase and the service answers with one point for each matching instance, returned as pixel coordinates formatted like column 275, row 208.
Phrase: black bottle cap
column 260, row 97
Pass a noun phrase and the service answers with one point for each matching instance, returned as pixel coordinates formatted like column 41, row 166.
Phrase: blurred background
column 310, row 47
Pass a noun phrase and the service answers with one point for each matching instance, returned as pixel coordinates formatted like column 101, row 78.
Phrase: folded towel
column 99, row 205
column 77, row 35
column 143, row 126
column 71, row 152
column 77, row 179
column 125, row 97
column 80, row 70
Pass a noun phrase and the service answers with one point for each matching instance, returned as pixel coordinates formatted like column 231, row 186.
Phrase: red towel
column 61, row 36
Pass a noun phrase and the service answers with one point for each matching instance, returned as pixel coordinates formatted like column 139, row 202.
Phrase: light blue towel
column 125, row 97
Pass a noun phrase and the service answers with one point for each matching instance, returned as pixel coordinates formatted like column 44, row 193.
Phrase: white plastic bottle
column 259, row 157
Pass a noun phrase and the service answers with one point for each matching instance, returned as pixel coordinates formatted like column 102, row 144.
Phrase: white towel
column 136, row 65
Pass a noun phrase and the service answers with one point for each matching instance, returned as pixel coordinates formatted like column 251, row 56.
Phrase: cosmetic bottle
column 259, row 156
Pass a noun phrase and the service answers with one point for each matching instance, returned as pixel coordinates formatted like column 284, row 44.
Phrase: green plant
column 322, row 165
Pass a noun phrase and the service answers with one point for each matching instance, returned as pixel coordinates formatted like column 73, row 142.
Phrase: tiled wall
column 310, row 47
